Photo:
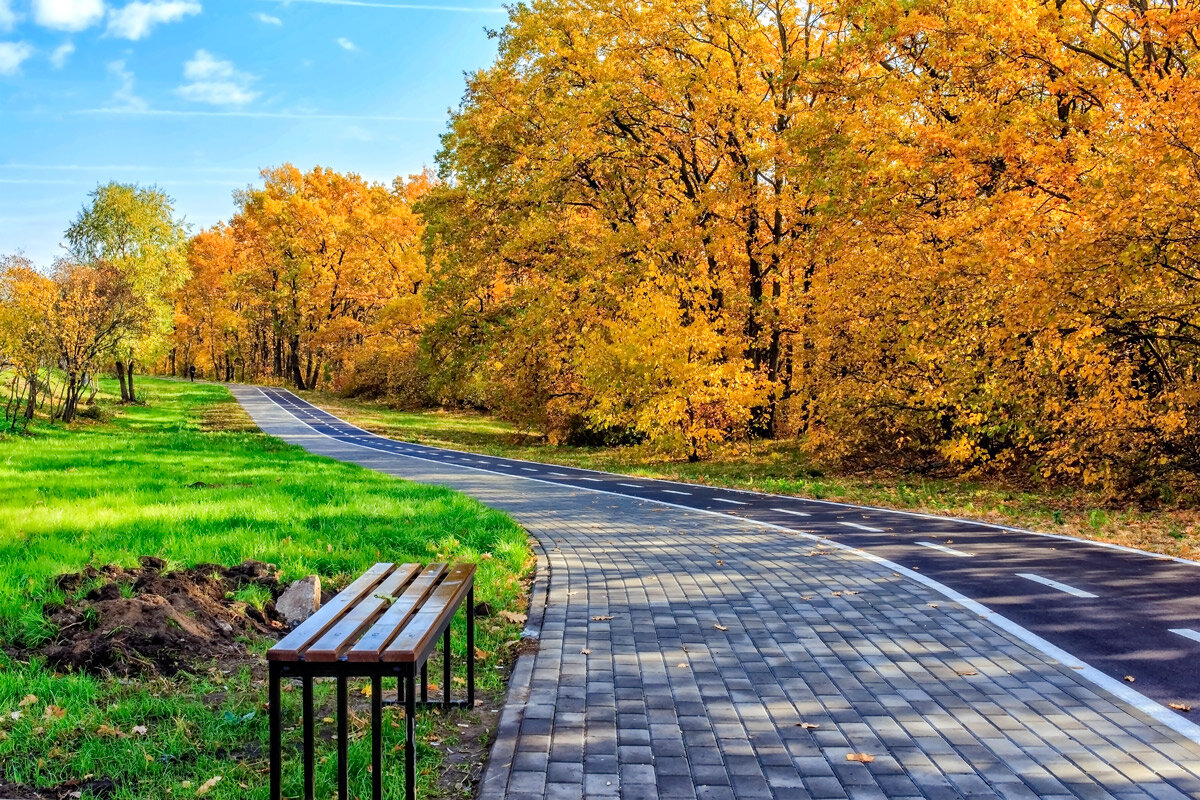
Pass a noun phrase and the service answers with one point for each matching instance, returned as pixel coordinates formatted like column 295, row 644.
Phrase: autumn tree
column 318, row 276
column 26, row 336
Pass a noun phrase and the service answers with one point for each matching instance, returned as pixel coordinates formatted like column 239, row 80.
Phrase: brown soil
column 149, row 621
column 92, row 787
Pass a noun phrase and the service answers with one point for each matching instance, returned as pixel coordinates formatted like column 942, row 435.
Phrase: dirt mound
column 148, row 620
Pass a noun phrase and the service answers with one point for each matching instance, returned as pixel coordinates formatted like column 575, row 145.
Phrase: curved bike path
column 706, row 643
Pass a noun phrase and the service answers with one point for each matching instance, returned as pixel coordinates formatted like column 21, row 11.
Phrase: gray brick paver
column 878, row 671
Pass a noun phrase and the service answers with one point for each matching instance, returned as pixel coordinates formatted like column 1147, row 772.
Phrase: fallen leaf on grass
column 27, row 700
column 720, row 627
column 513, row 616
column 862, row 758
column 109, row 730
column 16, row 715
column 481, row 654
column 1179, row 706
column 208, row 785
column 55, row 712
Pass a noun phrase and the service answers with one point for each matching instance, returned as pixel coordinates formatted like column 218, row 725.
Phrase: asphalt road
column 1123, row 612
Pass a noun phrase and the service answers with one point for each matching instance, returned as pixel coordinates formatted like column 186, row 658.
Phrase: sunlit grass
column 152, row 482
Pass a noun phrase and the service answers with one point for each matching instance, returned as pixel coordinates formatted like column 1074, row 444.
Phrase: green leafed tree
column 133, row 230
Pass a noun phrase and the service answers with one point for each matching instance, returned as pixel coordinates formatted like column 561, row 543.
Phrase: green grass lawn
column 781, row 467
column 108, row 492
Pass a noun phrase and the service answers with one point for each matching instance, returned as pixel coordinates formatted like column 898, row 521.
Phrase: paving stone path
column 685, row 655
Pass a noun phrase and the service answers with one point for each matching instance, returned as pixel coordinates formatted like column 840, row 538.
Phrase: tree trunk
column 129, row 369
column 32, row 404
column 121, row 378
column 294, row 363
column 70, row 398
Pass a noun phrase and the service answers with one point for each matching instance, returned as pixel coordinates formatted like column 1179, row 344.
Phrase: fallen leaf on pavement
column 862, row 758
column 1130, row 679
column 966, row 673
column 808, row 726
column 585, row 651
column 601, row 619
column 720, row 627
column 1179, row 706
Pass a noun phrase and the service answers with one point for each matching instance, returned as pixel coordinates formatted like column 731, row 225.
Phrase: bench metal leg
column 446, row 669
column 276, row 742
column 309, row 782
column 377, row 737
column 410, row 734
column 425, row 682
column 343, row 739
column 471, row 647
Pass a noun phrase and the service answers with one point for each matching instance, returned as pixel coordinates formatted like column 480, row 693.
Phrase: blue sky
column 197, row 95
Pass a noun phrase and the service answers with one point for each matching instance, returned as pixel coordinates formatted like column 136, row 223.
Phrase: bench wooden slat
column 345, row 633
column 419, row 636
column 387, row 626
column 289, row 647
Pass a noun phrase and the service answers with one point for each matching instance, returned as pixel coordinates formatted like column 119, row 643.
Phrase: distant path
column 661, row 673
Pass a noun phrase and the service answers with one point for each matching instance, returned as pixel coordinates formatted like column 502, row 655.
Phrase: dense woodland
column 953, row 235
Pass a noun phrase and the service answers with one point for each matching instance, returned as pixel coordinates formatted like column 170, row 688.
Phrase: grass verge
column 182, row 477
column 781, row 468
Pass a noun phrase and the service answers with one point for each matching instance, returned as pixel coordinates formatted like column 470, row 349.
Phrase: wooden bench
column 384, row 624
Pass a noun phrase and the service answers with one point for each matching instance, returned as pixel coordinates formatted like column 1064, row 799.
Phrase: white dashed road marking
column 1062, row 587
column 1186, row 633
column 630, row 485
column 731, row 502
column 860, row 527
column 672, row 491
column 528, row 469
column 560, row 474
column 793, row 513
column 945, row 549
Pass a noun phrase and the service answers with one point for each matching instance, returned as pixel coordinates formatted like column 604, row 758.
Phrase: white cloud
column 346, row 44
column 60, row 55
column 137, row 19
column 216, row 82
column 8, row 17
column 11, row 56
column 68, row 15
column 123, row 98
column 267, row 19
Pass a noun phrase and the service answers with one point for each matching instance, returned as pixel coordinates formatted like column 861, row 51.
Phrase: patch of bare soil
column 149, row 621
column 91, row 787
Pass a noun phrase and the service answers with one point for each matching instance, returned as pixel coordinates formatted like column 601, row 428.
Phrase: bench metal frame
column 406, row 674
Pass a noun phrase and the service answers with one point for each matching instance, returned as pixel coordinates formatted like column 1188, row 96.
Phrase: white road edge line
column 860, row 527
column 793, row 513
column 1159, row 713
column 1062, row 587
column 731, row 502
column 945, row 549
column 1186, row 633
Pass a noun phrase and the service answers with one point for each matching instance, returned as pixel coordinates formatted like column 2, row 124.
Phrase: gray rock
column 300, row 600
